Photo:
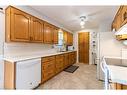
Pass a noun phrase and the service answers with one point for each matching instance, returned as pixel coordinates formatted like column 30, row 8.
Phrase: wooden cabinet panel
column 65, row 36
column 66, row 60
column 48, row 33
column 118, row 21
column 48, row 68
column 49, row 58
column 124, row 15
column 18, row 28
column 55, row 35
column 47, row 75
column 69, row 38
column 9, row 75
column 48, row 65
column 36, row 30
column 59, row 63
column 72, row 58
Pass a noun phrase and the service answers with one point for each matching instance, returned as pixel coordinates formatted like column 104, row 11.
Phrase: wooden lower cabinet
column 59, row 63
column 72, row 58
column 66, row 60
column 48, row 68
column 53, row 65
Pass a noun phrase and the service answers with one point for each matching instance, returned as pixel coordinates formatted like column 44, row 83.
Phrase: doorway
column 83, row 47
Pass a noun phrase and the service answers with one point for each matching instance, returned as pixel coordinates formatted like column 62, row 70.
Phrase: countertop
column 118, row 74
column 34, row 56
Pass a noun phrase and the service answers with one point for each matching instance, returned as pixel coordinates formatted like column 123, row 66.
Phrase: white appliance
column 108, row 46
column 28, row 74
column 70, row 48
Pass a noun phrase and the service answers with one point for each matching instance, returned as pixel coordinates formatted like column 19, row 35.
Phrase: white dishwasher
column 28, row 74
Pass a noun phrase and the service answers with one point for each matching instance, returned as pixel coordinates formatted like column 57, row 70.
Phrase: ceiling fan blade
column 95, row 13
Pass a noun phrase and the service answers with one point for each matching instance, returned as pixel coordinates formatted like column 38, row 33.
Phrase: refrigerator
column 108, row 46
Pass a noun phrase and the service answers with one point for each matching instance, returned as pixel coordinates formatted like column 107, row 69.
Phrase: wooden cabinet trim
column 9, row 75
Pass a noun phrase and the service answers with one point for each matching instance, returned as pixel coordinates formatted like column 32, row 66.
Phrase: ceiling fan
column 83, row 20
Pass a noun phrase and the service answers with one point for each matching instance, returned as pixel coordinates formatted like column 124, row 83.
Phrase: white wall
column 76, row 42
column 20, row 49
column 109, row 46
column 2, row 29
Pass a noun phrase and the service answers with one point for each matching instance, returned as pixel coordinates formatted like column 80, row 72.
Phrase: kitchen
column 37, row 48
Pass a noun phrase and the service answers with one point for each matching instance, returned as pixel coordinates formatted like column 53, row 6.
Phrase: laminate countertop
column 15, row 59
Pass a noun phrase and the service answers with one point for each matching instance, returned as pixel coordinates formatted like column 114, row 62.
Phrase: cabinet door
column 124, row 15
column 118, row 21
column 71, row 39
column 55, row 35
column 48, row 38
column 65, row 36
column 59, row 63
column 66, row 60
column 48, row 68
column 36, row 30
column 20, row 25
column 68, row 38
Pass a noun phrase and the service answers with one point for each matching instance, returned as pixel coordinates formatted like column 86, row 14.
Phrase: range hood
column 122, row 30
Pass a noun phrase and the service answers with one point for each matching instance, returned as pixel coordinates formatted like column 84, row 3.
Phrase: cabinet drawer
column 59, row 56
column 59, row 65
column 59, row 69
column 48, row 65
column 47, row 75
column 49, row 58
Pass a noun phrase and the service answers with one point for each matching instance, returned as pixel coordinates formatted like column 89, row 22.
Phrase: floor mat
column 71, row 69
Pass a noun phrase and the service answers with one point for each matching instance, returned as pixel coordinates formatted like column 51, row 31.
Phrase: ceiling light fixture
column 82, row 21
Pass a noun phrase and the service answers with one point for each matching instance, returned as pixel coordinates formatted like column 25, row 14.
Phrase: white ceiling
column 68, row 16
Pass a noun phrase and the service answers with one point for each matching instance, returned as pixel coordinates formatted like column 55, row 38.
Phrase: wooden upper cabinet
column 36, row 30
column 23, row 27
column 48, row 33
column 124, row 14
column 69, row 38
column 17, row 25
column 55, row 35
column 120, row 18
column 65, row 36
column 118, row 21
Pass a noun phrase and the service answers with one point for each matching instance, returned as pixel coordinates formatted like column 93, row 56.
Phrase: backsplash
column 20, row 49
